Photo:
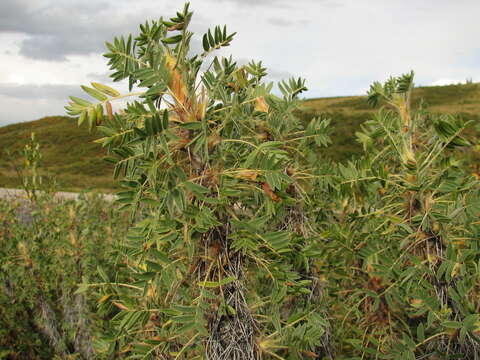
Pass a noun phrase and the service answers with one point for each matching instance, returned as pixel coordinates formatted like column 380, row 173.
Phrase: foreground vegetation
column 47, row 249
column 231, row 240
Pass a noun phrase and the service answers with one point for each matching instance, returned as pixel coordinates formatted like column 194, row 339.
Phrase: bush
column 401, row 249
column 243, row 241
column 48, row 247
column 218, row 168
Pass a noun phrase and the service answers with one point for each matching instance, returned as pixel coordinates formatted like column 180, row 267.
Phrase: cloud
column 284, row 22
column 278, row 21
column 280, row 4
column 57, row 29
column 103, row 78
column 39, row 92
column 278, row 75
column 255, row 3
column 30, row 102
column 444, row 81
column 340, row 47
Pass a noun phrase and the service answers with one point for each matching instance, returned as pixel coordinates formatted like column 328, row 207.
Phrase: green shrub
column 48, row 247
column 244, row 242
column 401, row 250
column 218, row 167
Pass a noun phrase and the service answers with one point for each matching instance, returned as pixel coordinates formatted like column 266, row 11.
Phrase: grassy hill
column 70, row 154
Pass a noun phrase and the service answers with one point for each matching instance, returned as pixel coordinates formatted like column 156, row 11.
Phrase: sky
column 49, row 47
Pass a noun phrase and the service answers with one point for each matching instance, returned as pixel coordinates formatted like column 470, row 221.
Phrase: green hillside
column 76, row 161
column 69, row 154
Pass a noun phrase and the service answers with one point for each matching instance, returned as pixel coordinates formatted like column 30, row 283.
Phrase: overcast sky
column 49, row 47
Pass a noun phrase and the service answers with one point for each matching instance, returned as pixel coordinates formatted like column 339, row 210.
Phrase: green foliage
column 247, row 244
column 46, row 249
column 403, row 237
column 349, row 113
column 217, row 169
column 243, row 242
column 395, row 91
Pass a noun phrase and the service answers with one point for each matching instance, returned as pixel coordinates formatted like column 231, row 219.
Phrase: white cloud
column 340, row 47
column 441, row 82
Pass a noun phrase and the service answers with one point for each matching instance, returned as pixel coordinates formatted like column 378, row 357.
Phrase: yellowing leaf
column 108, row 106
column 120, row 306
column 456, row 270
column 105, row 89
column 268, row 191
column 104, row 298
column 247, row 174
column 261, row 105
column 176, row 84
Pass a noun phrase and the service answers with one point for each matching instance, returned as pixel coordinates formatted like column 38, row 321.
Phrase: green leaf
column 92, row 118
column 420, row 333
column 206, row 46
column 82, row 117
column 194, row 125
column 452, row 324
column 161, row 257
column 153, row 266
column 278, row 240
column 173, row 39
column 79, row 101
column 218, row 34
column 145, row 276
column 105, row 89
column 196, row 188
column 165, row 120
column 213, row 284
column 99, row 113
column 211, row 40
column 94, row 93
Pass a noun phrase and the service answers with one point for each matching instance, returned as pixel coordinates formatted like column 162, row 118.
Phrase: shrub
column 48, row 247
column 219, row 265
column 403, row 237
column 246, row 244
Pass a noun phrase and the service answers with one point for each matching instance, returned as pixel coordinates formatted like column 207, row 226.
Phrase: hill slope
column 70, row 154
